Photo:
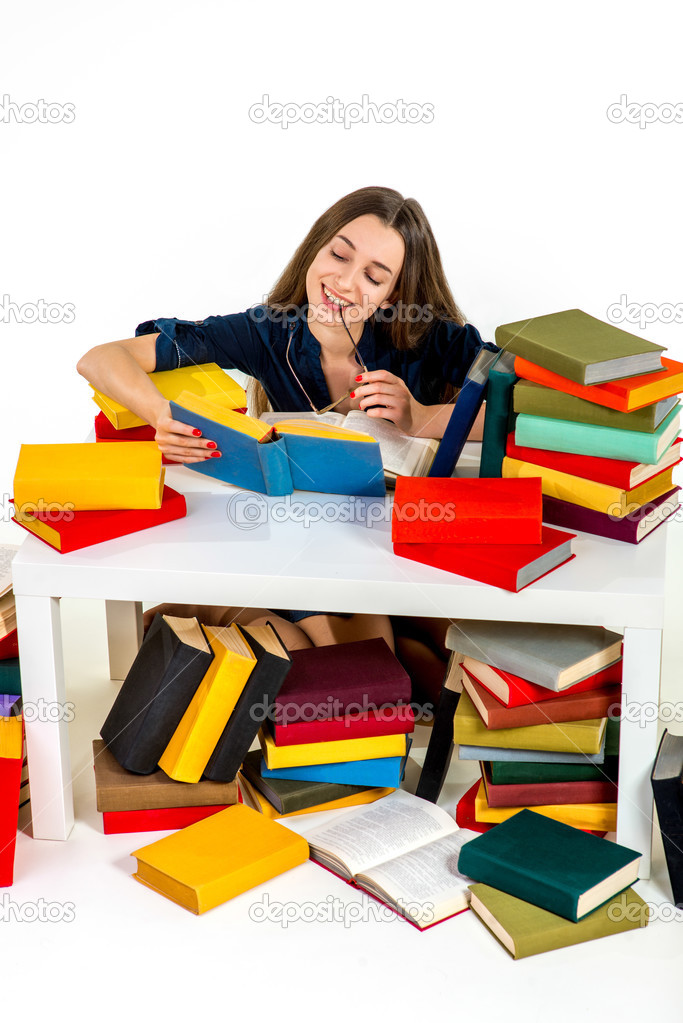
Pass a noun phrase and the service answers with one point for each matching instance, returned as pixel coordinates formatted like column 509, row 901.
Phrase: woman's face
column 356, row 271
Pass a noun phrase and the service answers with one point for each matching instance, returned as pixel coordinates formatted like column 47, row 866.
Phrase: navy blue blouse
column 255, row 342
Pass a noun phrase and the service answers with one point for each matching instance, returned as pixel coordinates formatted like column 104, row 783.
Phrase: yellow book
column 336, row 752
column 206, row 379
column 61, row 478
column 588, row 493
column 564, row 736
column 11, row 737
column 591, row 816
column 202, row 724
column 260, row 803
column 214, row 860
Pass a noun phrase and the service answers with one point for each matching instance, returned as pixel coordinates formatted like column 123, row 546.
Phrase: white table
column 343, row 565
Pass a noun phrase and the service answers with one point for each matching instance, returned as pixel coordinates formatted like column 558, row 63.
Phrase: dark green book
column 519, row 773
column 293, row 794
column 550, row 864
column 535, row 400
column 10, row 677
column 499, row 418
column 580, row 347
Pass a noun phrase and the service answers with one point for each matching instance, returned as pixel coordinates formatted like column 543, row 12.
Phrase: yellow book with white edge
column 60, row 478
column 207, row 379
column 214, row 860
column 588, row 493
column 259, row 802
column 202, row 724
column 590, row 816
column 337, row 751
column 11, row 737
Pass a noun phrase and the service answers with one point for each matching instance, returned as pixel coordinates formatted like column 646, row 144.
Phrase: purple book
column 10, row 705
column 631, row 529
column 328, row 681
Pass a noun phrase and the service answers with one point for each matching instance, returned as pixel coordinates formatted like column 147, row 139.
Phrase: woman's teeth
column 334, row 299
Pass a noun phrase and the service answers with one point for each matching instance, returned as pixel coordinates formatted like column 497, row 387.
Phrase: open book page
column 330, row 418
column 397, row 824
column 7, row 552
column 424, row 884
column 401, row 454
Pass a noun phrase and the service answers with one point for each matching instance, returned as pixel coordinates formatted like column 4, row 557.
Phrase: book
column 582, row 439
column 341, row 678
column 513, row 691
column 546, row 793
column 587, row 493
column 614, row 472
column 550, row 864
column 171, row 818
column 121, row 791
column 273, row 662
column 665, row 779
column 167, row 671
column 9, row 647
column 402, row 850
column 467, row 404
column 580, row 347
column 258, row 802
column 527, row 930
column 509, row 566
column 289, row 794
column 630, row 528
column 499, row 413
column 387, row 720
column 536, row 400
column 11, row 726
column 64, row 478
column 294, row 454
column 533, row 756
column 10, row 676
column 330, row 752
column 7, row 554
column 624, row 394
column 440, row 748
column 216, row 859
column 554, row 656
column 566, row 737
column 201, row 726
column 584, row 816
column 79, row 529
column 471, row 511
column 105, row 433
column 531, row 773
column 465, row 813
column 383, row 772
column 208, row 380
column 8, row 614
column 10, row 789
column 596, row 703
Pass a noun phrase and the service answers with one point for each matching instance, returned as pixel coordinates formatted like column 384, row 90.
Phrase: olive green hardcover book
column 537, row 400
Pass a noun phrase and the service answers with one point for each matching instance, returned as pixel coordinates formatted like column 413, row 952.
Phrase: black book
column 254, row 704
column 172, row 661
column 290, row 795
column 666, row 785
column 440, row 748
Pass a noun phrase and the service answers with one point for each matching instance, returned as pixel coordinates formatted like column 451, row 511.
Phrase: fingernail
column 215, row 454
column 358, row 378
column 211, row 444
column 196, row 433
column 353, row 394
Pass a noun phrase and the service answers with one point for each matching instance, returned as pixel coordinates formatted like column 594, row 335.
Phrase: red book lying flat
column 468, row 511
column 611, row 471
column 170, row 818
column 9, row 646
column 465, row 814
column 105, row 432
column 392, row 720
column 547, row 793
column 509, row 566
column 513, row 691
column 624, row 395
column 597, row 703
column 630, row 529
column 84, row 528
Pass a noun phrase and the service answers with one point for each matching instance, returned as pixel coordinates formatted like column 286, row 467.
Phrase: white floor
column 113, row 945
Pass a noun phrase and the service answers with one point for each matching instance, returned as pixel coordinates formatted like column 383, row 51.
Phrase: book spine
column 581, row 439
column 536, row 400
column 462, row 418
column 396, row 720
column 496, row 422
column 119, row 822
column 275, row 466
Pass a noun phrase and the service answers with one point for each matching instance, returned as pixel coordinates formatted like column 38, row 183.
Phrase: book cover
column 10, row 676
column 534, row 773
column 536, row 400
column 569, row 706
column 440, row 748
column 546, row 793
column 216, row 859
column 10, row 788
column 499, row 413
column 465, row 812
column 9, row 648
column 290, row 794
column 467, row 405
column 582, row 439
column 666, row 787
column 584, row 816
column 580, row 347
column 470, row 511
column 172, row 818
column 257, row 800
column 382, row 772
column 105, row 433
column 388, row 720
column 513, row 691
column 331, row 752
column 528, row 756
column 630, row 528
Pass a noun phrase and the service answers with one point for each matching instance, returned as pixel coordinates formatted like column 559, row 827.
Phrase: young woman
column 361, row 318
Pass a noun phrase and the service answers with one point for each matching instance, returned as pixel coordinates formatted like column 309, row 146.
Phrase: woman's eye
column 372, row 281
column 337, row 256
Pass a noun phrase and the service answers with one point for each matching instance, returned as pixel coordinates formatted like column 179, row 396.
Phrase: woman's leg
column 322, row 630
column 208, row 614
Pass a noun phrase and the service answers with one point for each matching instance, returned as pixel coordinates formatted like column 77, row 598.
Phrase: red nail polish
column 215, row 454
column 358, row 378
column 353, row 394
column 196, row 433
column 211, row 444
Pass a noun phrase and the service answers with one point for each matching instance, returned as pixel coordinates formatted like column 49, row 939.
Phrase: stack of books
column 10, row 678
column 338, row 734
column 12, row 775
column 485, row 529
column 597, row 419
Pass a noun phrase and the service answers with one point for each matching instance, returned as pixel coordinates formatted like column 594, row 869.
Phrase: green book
column 516, row 773
column 525, row 930
column 550, row 864
column 10, row 677
column 293, row 794
column 603, row 441
column 499, row 418
column 536, row 400
column 580, row 347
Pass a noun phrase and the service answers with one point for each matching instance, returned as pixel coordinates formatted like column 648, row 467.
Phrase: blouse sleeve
column 446, row 357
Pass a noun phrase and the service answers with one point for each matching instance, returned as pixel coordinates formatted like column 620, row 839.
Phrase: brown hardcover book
column 596, row 703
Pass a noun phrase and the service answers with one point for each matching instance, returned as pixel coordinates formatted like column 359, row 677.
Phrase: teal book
column 499, row 418
column 385, row 772
column 10, row 677
column 602, row 441
column 550, row 864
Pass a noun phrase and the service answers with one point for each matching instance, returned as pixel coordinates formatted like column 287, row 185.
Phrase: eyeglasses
column 347, row 394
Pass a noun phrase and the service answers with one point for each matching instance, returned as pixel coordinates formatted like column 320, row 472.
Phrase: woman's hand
column 180, row 442
column 379, row 387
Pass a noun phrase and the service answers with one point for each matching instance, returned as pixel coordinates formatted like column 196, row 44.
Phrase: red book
column 104, row 430
column 490, row 511
column 512, row 691
column 570, row 706
column 391, row 720
column 509, row 566
column 549, row 793
column 612, row 471
column 78, row 529
column 10, row 787
column 464, row 814
column 9, row 646
column 171, row 818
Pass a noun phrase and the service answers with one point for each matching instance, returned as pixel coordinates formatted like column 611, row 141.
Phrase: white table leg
column 124, row 635
column 638, row 744
column 46, row 716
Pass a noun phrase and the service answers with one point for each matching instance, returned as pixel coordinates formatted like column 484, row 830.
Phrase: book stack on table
column 597, row 419
column 12, row 778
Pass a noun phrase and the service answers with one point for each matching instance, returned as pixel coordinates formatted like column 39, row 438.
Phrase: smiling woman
column 362, row 310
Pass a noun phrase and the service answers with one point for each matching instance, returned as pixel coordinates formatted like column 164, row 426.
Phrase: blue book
column 603, row 441
column 467, row 405
column 385, row 772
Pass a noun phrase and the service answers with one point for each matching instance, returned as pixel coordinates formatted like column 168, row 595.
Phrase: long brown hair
column 421, row 285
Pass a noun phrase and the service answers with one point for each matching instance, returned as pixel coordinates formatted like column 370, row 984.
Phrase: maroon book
column 631, row 529
column 342, row 678
column 548, row 793
column 464, row 814
column 396, row 719
column 9, row 646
